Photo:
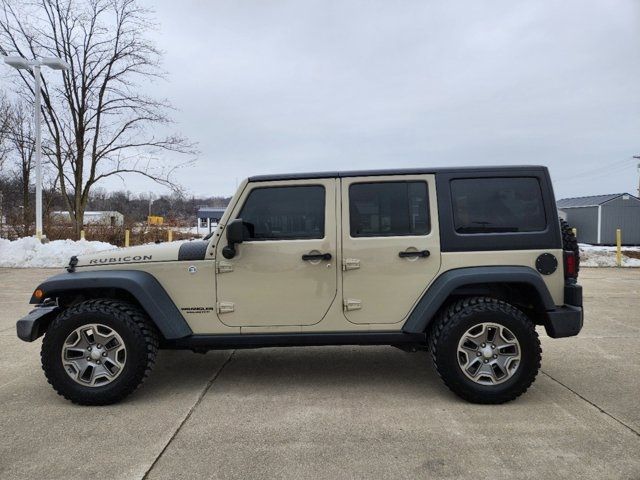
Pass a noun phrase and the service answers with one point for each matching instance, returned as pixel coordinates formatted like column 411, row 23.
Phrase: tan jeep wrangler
column 464, row 262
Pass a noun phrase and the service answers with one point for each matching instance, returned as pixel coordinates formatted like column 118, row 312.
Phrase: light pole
column 637, row 157
column 21, row 63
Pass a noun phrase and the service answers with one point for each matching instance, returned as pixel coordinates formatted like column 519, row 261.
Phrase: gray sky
column 279, row 86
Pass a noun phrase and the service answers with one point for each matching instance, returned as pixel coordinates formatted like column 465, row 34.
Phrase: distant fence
column 122, row 236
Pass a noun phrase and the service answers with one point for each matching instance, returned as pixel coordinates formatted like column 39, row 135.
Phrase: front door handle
column 418, row 253
column 316, row 256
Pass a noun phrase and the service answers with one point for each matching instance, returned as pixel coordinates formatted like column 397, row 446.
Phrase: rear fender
column 440, row 290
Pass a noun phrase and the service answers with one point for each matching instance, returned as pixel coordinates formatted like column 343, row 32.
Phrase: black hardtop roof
column 511, row 169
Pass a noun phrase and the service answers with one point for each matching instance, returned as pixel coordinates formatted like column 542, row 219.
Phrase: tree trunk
column 78, row 218
column 25, row 202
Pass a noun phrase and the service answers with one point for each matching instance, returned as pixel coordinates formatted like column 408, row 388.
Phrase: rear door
column 391, row 246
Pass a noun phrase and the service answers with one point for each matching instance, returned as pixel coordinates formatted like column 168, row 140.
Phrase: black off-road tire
column 130, row 322
column 570, row 242
column 460, row 316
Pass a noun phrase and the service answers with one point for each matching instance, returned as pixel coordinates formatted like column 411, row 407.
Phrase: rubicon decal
column 129, row 258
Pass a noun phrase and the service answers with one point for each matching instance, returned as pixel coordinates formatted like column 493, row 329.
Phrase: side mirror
column 235, row 234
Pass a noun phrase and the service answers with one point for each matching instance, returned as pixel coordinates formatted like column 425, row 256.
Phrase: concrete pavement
column 334, row 412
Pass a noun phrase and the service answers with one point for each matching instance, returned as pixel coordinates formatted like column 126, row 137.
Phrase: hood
column 160, row 252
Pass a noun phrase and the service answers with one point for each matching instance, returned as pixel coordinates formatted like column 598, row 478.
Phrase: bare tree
column 100, row 123
column 5, row 120
column 22, row 144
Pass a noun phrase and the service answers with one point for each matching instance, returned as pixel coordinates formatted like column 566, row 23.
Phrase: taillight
column 570, row 266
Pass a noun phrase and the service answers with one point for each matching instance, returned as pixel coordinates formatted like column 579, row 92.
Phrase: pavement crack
column 190, row 412
column 592, row 404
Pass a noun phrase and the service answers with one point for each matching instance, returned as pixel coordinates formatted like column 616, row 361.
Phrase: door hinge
column 352, row 304
column 225, row 307
column 350, row 264
column 224, row 267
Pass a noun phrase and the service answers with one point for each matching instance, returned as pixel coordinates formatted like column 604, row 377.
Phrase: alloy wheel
column 94, row 355
column 488, row 353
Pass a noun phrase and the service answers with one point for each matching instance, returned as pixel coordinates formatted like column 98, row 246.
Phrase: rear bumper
column 35, row 323
column 567, row 320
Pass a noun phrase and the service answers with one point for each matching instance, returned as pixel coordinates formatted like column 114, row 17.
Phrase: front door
column 391, row 245
column 285, row 272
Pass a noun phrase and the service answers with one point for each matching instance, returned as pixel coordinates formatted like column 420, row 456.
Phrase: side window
column 497, row 205
column 386, row 209
column 285, row 213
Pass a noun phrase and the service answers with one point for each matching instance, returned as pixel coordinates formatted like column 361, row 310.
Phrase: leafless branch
column 98, row 123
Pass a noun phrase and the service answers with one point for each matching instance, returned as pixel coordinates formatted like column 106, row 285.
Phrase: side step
column 262, row 340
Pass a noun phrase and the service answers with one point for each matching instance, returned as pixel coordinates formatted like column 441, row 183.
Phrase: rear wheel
column 99, row 351
column 485, row 350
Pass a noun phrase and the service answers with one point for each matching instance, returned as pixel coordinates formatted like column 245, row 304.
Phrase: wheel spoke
column 492, row 333
column 101, row 334
column 497, row 371
column 110, row 367
column 86, row 374
column 87, row 336
column 509, row 350
column 470, row 345
column 474, row 367
column 111, row 342
column 74, row 353
column 101, row 373
column 484, row 372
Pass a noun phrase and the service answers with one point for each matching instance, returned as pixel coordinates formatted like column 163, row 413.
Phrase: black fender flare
column 143, row 286
column 435, row 296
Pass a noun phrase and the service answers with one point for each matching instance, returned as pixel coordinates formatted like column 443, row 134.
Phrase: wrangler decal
column 197, row 309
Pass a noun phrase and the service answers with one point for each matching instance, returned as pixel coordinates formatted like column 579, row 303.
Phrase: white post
column 21, row 63
column 599, row 234
column 38, row 152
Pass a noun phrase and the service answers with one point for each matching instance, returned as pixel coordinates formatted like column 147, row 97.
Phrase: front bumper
column 567, row 320
column 36, row 322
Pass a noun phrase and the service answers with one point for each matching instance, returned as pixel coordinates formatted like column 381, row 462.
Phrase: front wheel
column 485, row 350
column 99, row 351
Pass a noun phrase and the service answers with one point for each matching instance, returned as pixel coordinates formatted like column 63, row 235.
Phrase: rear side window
column 386, row 209
column 285, row 213
column 497, row 205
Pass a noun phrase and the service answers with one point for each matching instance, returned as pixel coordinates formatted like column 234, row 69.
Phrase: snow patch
column 28, row 252
column 597, row 256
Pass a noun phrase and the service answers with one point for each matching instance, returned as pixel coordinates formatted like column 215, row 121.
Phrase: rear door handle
column 316, row 256
column 419, row 253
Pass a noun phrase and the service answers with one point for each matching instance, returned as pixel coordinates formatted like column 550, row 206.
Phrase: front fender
column 143, row 286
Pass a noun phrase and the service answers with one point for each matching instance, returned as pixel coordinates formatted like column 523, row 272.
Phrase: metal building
column 208, row 217
column 596, row 218
column 102, row 217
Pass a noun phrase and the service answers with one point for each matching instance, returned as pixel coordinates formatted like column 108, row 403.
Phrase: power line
column 627, row 162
